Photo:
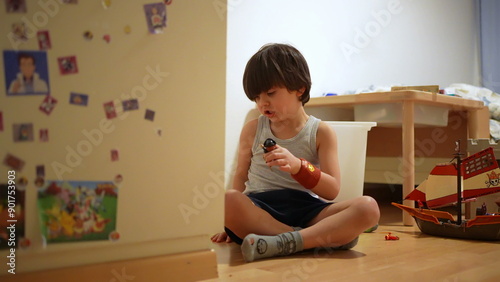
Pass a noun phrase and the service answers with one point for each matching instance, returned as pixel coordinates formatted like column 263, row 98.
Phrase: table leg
column 478, row 123
column 408, row 128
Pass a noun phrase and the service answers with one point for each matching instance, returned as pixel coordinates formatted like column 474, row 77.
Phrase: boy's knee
column 232, row 198
column 369, row 208
column 232, row 194
column 233, row 207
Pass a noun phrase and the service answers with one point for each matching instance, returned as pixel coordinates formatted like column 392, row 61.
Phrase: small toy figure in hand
column 268, row 145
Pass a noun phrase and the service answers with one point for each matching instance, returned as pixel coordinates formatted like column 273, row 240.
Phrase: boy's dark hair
column 279, row 65
column 25, row 56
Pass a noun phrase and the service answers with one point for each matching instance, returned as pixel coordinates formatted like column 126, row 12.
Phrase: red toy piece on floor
column 391, row 237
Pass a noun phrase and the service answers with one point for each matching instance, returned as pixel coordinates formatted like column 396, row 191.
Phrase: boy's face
column 278, row 103
column 27, row 67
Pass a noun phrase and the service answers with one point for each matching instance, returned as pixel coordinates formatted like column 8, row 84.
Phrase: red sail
column 478, row 163
column 416, row 195
column 481, row 177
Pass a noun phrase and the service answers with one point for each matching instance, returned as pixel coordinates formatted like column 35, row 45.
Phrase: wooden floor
column 415, row 257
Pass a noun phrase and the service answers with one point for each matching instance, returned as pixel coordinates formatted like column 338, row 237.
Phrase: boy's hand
column 282, row 158
column 221, row 237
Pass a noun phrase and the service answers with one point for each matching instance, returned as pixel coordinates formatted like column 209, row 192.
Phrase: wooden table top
column 419, row 97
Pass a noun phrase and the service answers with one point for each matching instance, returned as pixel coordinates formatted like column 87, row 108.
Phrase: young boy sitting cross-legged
column 273, row 208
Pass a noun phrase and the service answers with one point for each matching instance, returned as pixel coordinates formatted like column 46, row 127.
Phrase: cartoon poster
column 156, row 17
column 26, row 72
column 11, row 216
column 75, row 211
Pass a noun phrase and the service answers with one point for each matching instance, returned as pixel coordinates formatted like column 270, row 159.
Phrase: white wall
column 490, row 44
column 351, row 45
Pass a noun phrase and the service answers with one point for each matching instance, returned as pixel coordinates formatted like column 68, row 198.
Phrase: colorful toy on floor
column 390, row 237
column 479, row 174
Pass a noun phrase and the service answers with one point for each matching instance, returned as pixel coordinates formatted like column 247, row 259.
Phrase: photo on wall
column 156, row 17
column 22, row 132
column 26, row 72
column 75, row 211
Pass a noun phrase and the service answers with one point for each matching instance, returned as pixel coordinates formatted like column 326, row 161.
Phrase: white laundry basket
column 352, row 139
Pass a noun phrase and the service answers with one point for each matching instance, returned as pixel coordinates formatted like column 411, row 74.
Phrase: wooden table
column 477, row 121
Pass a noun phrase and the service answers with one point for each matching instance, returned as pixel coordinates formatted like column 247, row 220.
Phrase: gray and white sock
column 258, row 247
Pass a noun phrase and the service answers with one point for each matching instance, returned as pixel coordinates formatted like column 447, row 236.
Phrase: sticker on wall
column 75, row 211
column 150, row 115
column 114, row 236
column 88, row 35
column 43, row 40
column 15, row 6
column 109, row 109
column 13, row 162
column 127, row 29
column 44, row 135
column 168, row 2
column 115, row 155
column 48, row 104
column 22, row 182
column 18, row 33
column 1, row 121
column 67, row 65
column 78, row 99
column 24, row 243
column 118, row 179
column 22, row 132
column 9, row 237
column 39, row 181
column 106, row 38
column 106, row 4
column 70, row 1
column 40, row 170
column 26, row 72
column 156, row 17
column 40, row 176
column 129, row 105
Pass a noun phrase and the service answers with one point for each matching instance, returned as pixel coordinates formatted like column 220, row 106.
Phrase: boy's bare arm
column 328, row 186
column 244, row 155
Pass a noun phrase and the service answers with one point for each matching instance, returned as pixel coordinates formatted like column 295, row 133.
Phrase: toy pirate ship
column 479, row 175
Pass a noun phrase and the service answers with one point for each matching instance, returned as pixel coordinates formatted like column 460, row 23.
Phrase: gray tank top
column 303, row 145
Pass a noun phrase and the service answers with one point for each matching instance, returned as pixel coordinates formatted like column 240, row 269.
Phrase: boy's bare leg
column 243, row 217
column 340, row 223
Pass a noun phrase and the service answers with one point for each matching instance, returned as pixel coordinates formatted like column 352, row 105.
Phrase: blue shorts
column 291, row 207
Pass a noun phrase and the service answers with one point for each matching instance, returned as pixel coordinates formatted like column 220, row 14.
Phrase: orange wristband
column 308, row 175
